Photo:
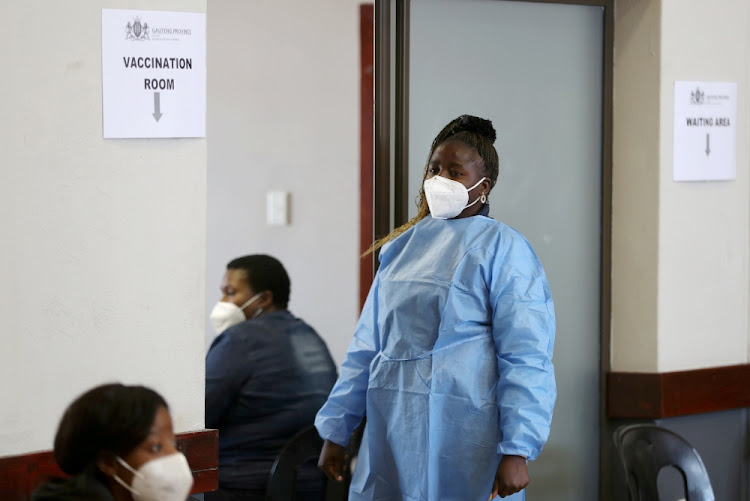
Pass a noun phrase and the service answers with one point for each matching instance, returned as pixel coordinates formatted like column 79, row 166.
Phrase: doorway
column 538, row 71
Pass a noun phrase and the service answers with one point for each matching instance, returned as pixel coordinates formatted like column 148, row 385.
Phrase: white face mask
column 226, row 315
column 167, row 478
column 447, row 198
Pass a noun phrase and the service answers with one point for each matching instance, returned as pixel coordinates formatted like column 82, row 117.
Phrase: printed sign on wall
column 705, row 131
column 153, row 74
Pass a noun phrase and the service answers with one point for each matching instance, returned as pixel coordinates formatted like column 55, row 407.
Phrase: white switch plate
column 277, row 208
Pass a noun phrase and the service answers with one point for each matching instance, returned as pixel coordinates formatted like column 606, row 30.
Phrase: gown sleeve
column 345, row 407
column 523, row 325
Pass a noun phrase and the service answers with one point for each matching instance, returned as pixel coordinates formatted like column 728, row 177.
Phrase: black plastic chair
column 645, row 449
column 302, row 448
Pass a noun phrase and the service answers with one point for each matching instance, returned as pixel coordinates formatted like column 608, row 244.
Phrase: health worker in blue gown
column 451, row 361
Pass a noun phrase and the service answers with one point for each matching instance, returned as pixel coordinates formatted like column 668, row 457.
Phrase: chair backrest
column 301, row 449
column 645, row 449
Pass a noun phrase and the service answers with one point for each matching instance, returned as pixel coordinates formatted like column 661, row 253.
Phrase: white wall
column 703, row 252
column 103, row 242
column 283, row 114
column 680, row 250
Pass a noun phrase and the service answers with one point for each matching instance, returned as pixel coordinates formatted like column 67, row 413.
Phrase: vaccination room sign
column 705, row 131
column 153, row 74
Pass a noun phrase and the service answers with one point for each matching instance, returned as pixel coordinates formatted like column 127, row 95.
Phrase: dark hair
column 264, row 273
column 475, row 132
column 112, row 417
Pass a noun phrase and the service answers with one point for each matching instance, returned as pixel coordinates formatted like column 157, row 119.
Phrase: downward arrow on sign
column 708, row 144
column 157, row 106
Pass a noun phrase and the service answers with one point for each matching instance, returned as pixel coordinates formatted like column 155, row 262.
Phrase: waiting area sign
column 705, row 131
column 153, row 74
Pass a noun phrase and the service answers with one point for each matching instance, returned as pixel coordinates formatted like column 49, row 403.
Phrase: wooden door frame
column 366, row 152
column 382, row 172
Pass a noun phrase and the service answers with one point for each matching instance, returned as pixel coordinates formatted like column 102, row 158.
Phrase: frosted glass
column 535, row 70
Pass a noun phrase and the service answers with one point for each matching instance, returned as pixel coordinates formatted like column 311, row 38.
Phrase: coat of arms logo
column 697, row 96
column 137, row 30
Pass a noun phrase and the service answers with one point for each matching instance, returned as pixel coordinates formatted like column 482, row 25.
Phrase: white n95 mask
column 167, row 478
column 226, row 315
column 447, row 198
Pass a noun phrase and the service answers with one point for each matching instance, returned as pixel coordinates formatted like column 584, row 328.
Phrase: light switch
column 277, row 208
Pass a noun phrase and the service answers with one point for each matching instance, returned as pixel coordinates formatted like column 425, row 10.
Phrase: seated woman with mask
column 267, row 374
column 117, row 444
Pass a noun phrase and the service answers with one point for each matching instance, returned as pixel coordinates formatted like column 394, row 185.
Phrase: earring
column 483, row 199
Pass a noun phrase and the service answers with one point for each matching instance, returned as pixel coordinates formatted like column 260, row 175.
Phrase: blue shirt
column 265, row 380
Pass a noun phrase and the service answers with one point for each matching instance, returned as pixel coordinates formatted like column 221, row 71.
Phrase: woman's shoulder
column 501, row 243
column 476, row 232
column 75, row 488
column 484, row 229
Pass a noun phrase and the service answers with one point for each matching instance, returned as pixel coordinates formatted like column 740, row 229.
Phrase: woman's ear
column 106, row 463
column 486, row 186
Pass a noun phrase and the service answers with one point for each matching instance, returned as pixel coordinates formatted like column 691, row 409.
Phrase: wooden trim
column 201, row 448
column 366, row 119
column 672, row 394
column 401, row 133
column 382, row 190
column 605, row 277
column 20, row 475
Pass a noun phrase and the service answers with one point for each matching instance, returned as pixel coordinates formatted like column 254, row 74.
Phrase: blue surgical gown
column 451, row 362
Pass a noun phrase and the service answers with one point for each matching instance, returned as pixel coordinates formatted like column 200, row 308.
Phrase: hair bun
column 469, row 123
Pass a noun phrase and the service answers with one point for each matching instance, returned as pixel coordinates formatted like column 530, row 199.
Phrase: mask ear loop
column 121, row 481
column 483, row 198
column 250, row 301
column 478, row 183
